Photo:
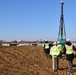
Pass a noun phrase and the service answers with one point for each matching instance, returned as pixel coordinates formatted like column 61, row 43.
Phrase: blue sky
column 36, row 19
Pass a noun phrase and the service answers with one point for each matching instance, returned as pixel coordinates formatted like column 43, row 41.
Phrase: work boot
column 55, row 70
column 58, row 68
column 69, row 71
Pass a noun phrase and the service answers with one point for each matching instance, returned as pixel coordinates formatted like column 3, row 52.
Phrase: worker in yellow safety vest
column 69, row 51
column 60, row 48
column 46, row 46
column 54, row 52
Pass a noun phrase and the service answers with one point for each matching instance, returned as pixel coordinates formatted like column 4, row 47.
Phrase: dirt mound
column 29, row 60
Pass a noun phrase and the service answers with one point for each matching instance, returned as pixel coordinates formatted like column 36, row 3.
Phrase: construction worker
column 54, row 52
column 46, row 48
column 69, row 50
column 60, row 47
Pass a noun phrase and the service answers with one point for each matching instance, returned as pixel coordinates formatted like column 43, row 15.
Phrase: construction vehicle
column 62, row 32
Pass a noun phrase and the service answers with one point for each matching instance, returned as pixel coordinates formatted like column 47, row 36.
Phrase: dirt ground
column 29, row 60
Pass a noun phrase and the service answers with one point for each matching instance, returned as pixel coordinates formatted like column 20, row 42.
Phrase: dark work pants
column 46, row 52
column 70, row 62
column 46, row 55
column 60, row 56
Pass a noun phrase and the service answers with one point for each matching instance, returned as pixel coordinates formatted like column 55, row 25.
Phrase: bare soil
column 29, row 60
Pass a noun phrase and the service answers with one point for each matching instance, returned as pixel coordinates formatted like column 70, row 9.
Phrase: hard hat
column 54, row 43
column 46, row 40
column 67, row 40
column 58, row 42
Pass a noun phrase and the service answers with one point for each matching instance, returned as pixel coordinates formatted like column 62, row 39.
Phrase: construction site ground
column 30, row 60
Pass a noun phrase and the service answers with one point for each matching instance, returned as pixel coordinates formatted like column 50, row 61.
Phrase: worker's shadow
column 62, row 68
column 74, row 65
column 74, row 68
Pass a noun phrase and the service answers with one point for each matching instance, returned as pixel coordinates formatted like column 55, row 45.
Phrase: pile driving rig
column 62, row 32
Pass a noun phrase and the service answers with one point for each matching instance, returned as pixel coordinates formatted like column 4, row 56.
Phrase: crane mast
column 62, row 32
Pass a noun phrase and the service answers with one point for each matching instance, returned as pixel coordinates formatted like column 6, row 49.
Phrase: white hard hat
column 54, row 43
column 67, row 40
column 46, row 40
column 58, row 42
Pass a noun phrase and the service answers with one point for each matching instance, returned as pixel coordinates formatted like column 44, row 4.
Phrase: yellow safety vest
column 60, row 47
column 69, row 49
column 54, row 51
column 46, row 45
